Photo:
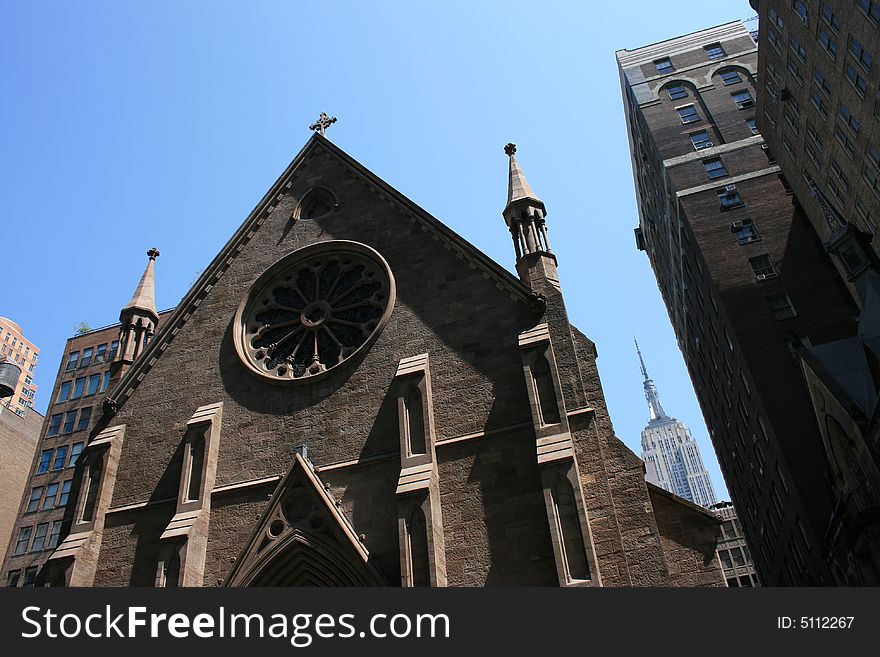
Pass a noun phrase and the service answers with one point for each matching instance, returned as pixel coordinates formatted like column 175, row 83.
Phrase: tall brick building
column 819, row 111
column 352, row 394
column 747, row 283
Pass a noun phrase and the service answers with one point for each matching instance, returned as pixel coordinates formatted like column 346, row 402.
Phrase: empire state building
column 671, row 455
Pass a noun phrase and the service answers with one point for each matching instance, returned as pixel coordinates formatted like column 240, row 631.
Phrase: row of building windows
column 713, row 51
column 59, row 458
column 66, row 422
column 43, row 498
column 37, row 538
column 74, row 389
column 689, row 114
column 30, row 577
column 91, row 356
column 17, row 345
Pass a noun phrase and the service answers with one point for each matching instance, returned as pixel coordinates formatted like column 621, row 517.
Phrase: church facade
column 353, row 395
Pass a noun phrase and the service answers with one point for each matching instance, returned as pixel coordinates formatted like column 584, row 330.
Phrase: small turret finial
column 510, row 149
column 323, row 123
column 153, row 253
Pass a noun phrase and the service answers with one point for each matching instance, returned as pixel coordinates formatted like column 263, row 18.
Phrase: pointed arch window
column 417, row 537
column 196, row 465
column 569, row 531
column 544, row 391
column 93, row 483
column 171, row 570
column 415, row 421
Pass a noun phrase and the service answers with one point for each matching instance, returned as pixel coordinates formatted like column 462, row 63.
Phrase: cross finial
column 510, row 149
column 153, row 253
column 323, row 123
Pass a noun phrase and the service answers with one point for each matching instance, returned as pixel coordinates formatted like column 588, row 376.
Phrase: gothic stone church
column 353, row 395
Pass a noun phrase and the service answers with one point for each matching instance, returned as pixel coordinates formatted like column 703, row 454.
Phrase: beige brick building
column 25, row 354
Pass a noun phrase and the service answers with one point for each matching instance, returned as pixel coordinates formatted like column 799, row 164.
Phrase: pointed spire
column 144, row 297
column 518, row 187
column 651, row 395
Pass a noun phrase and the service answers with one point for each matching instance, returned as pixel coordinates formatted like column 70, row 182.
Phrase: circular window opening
column 313, row 310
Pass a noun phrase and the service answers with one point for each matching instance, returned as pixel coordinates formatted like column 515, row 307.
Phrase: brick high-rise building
column 819, row 112
column 745, row 280
column 25, row 354
column 352, row 394
column 84, row 376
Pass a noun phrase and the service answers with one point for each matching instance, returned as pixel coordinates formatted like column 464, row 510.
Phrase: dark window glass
column 86, row 359
column 415, row 421
column 54, row 425
column 75, row 450
column 715, row 51
column 730, row 77
column 12, row 578
column 105, row 382
column 197, row 459
column 24, row 539
column 78, row 388
column 171, row 568
column 94, row 384
column 545, row 391
column 60, row 457
column 417, row 533
column 65, row 492
column 664, row 65
column 714, row 168
column 45, row 460
column 69, row 421
column 64, row 391
column 84, row 416
column 72, row 360
column 49, row 500
column 700, row 140
column 34, row 500
column 54, row 535
column 569, row 529
column 30, row 577
column 677, row 92
column 114, row 347
column 688, row 114
column 743, row 99
column 100, row 353
column 92, row 485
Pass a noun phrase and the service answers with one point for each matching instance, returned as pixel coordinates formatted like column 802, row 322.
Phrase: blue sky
column 133, row 124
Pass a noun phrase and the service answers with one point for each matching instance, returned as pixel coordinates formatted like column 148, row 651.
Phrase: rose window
column 313, row 309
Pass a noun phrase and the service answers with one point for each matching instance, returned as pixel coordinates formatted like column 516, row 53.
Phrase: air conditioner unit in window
column 746, row 103
column 762, row 277
column 736, row 225
column 765, row 147
column 705, row 144
column 730, row 188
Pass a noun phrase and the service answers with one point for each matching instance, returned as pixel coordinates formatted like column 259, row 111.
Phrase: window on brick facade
column 85, row 415
column 830, row 17
column 730, row 77
column 688, row 114
column 86, row 359
column 40, row 537
column 676, row 92
column 30, row 577
column 829, row 44
column 763, row 267
column 54, row 425
column 870, row 8
column 753, row 125
column 54, row 535
column 60, row 457
column 72, row 360
column 51, row 494
column 75, row 450
column 743, row 99
column 714, row 168
column 12, row 578
column 745, row 231
column 700, row 140
column 69, row 421
column 714, row 51
column 821, row 82
column 797, row 47
column 24, row 539
column 781, row 307
column 78, row 388
column 862, row 56
column 800, row 8
column 34, row 499
column 105, row 382
column 857, row 81
column 45, row 461
column 100, row 353
column 729, row 199
column 664, row 65
column 844, row 140
column 94, row 384
column 64, row 391
column 65, row 492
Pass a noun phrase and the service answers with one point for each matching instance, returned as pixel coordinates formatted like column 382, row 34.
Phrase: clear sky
column 133, row 124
